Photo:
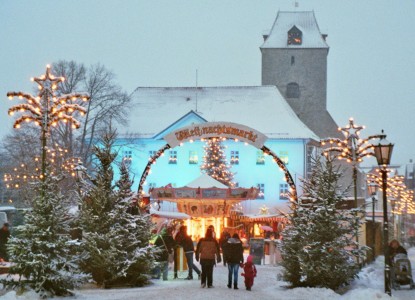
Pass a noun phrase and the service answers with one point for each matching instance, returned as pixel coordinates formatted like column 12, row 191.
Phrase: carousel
column 206, row 200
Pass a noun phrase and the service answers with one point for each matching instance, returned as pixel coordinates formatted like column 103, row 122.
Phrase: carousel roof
column 169, row 214
column 205, row 181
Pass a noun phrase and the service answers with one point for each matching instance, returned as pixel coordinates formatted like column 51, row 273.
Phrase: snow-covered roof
column 205, row 181
column 153, row 109
column 169, row 214
column 305, row 21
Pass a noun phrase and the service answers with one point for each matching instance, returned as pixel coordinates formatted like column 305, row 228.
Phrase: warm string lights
column 400, row 197
column 47, row 109
column 214, row 162
column 57, row 160
column 147, row 170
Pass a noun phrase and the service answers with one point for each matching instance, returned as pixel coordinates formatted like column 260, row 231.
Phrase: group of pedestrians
column 207, row 253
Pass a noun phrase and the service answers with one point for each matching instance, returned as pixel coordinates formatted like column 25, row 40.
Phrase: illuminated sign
column 216, row 129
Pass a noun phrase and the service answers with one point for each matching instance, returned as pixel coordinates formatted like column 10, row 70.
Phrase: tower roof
column 305, row 21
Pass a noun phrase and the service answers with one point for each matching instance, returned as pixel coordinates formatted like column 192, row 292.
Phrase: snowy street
column 266, row 286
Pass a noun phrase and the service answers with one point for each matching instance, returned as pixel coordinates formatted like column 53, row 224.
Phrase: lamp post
column 383, row 153
column 47, row 109
column 353, row 149
column 79, row 172
column 372, row 189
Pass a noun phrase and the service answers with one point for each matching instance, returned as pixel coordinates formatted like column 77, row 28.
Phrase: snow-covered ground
column 370, row 285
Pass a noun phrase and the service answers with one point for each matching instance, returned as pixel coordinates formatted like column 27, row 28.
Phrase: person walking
column 4, row 238
column 186, row 242
column 222, row 244
column 207, row 251
column 166, row 244
column 249, row 272
column 234, row 256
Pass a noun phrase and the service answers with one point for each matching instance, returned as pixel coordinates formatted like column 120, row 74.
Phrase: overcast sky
column 371, row 62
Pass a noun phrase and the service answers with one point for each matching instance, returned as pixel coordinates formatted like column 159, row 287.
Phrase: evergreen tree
column 124, row 184
column 317, row 245
column 214, row 162
column 42, row 254
column 116, row 242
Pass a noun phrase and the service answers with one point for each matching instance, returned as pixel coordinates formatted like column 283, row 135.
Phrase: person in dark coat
column 234, row 256
column 222, row 243
column 207, row 251
column 4, row 238
column 395, row 248
column 166, row 244
column 185, row 241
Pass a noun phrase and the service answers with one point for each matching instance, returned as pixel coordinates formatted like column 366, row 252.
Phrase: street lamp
column 47, row 109
column 383, row 153
column 372, row 188
column 353, row 149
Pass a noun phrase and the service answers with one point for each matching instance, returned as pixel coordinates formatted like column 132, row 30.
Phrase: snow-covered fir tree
column 318, row 246
column 215, row 164
column 124, row 184
column 41, row 250
column 116, row 242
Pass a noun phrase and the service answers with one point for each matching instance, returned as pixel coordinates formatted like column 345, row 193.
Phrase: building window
column 283, row 155
column 294, row 36
column 234, row 157
column 293, row 90
column 261, row 188
column 292, row 60
column 260, row 158
column 151, row 153
column 173, row 157
column 193, row 158
column 127, row 157
column 284, row 191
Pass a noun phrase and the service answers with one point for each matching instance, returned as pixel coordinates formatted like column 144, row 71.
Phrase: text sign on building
column 216, row 129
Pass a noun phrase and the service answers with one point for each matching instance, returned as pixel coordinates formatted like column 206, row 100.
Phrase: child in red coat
column 249, row 272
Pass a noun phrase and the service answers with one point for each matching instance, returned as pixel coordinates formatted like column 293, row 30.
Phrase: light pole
column 80, row 172
column 383, row 153
column 47, row 109
column 353, row 149
column 372, row 189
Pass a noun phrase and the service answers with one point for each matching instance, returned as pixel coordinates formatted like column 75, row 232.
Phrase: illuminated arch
column 227, row 130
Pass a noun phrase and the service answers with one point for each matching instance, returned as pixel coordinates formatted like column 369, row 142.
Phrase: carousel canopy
column 204, row 197
column 205, row 181
column 168, row 214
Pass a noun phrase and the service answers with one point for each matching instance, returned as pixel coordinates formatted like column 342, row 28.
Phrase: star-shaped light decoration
column 352, row 148
column 47, row 109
